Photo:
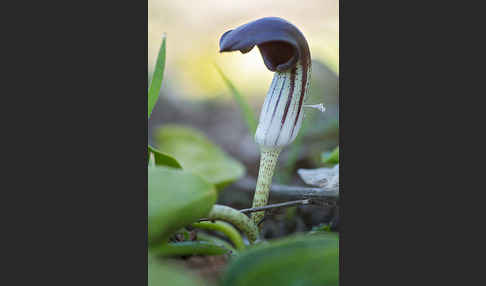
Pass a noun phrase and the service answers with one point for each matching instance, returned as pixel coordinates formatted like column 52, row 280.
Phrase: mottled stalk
column 280, row 120
column 236, row 218
column 268, row 161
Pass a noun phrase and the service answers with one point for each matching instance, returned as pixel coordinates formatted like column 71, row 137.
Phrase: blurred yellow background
column 193, row 30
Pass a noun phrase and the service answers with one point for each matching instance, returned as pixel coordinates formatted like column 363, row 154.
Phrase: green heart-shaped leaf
column 176, row 198
column 162, row 159
column 196, row 153
column 301, row 260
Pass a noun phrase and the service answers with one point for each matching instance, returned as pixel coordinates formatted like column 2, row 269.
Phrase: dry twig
column 316, row 195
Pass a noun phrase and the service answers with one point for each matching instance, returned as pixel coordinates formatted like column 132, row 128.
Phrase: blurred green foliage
column 300, row 260
column 248, row 116
column 331, row 157
column 176, row 198
column 185, row 248
column 162, row 159
column 164, row 274
column 197, row 154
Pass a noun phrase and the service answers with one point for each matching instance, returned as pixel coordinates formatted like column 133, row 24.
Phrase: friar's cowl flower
column 285, row 51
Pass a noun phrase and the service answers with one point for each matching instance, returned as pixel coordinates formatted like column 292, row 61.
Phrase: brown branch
column 304, row 195
column 279, row 205
column 316, row 195
column 271, row 206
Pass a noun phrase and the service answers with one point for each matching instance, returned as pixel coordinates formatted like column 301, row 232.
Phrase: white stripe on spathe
column 271, row 132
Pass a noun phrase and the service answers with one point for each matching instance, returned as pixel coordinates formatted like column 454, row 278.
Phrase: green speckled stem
column 201, row 236
column 225, row 228
column 268, row 161
column 236, row 218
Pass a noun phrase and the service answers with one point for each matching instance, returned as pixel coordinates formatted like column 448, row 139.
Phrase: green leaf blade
column 157, row 77
column 162, row 159
column 247, row 113
column 299, row 260
column 176, row 198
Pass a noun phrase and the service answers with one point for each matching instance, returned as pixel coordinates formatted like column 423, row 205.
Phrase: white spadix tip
column 319, row 107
